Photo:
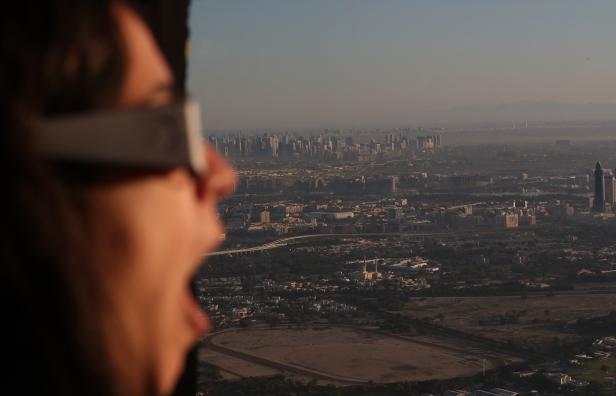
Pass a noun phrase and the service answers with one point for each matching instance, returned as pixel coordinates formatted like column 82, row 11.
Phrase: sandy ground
column 351, row 354
column 233, row 368
column 542, row 320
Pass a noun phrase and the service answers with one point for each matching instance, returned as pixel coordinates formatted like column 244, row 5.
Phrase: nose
column 220, row 178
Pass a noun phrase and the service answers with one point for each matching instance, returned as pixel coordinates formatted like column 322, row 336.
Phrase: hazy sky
column 296, row 63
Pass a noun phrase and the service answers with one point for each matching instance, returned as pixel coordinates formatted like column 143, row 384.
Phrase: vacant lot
column 536, row 320
column 345, row 355
column 232, row 368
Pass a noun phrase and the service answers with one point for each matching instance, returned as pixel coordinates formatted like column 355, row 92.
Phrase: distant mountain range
column 532, row 111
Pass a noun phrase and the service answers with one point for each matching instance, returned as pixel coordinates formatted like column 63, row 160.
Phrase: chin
column 170, row 373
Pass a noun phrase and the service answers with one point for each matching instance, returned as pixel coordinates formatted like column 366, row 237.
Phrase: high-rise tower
column 610, row 187
column 599, row 201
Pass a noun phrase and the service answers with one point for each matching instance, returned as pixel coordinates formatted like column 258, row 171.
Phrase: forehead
column 146, row 68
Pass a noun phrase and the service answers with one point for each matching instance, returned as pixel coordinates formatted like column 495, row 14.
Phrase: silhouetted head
column 96, row 262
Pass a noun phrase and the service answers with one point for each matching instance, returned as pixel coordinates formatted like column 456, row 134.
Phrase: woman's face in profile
column 150, row 233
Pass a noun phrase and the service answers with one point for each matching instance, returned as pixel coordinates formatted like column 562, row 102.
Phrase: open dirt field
column 345, row 355
column 540, row 318
column 234, row 368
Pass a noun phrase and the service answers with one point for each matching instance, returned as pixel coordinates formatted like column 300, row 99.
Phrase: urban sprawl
column 415, row 261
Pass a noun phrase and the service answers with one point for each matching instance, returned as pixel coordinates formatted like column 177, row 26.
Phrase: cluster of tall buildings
column 323, row 146
column 605, row 189
column 429, row 142
column 356, row 185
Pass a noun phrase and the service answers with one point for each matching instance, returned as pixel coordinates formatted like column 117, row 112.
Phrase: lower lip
column 197, row 318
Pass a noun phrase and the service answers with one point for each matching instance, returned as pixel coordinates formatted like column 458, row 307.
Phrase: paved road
column 286, row 241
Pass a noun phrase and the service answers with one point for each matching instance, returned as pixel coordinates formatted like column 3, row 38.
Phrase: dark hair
column 56, row 57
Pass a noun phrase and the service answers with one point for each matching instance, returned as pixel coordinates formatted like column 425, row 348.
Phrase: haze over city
column 277, row 64
column 425, row 201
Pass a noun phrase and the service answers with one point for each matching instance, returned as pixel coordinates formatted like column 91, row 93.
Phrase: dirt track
column 346, row 356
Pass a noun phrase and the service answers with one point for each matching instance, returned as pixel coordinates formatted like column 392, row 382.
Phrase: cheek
column 161, row 232
column 172, row 253
column 182, row 252
column 187, row 233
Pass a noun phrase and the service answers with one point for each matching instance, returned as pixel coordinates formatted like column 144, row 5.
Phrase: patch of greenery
column 595, row 370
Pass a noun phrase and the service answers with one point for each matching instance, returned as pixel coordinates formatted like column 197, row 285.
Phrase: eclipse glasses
column 161, row 137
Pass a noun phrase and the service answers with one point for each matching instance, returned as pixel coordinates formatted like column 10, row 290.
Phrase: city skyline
column 412, row 246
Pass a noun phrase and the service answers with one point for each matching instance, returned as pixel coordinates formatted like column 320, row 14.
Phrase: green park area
column 598, row 371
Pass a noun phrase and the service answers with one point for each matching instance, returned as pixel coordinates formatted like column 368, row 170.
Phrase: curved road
column 285, row 241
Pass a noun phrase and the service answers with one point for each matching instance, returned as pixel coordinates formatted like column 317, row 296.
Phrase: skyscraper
column 599, row 201
column 610, row 187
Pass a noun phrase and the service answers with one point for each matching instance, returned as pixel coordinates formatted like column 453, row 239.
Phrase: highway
column 286, row 241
